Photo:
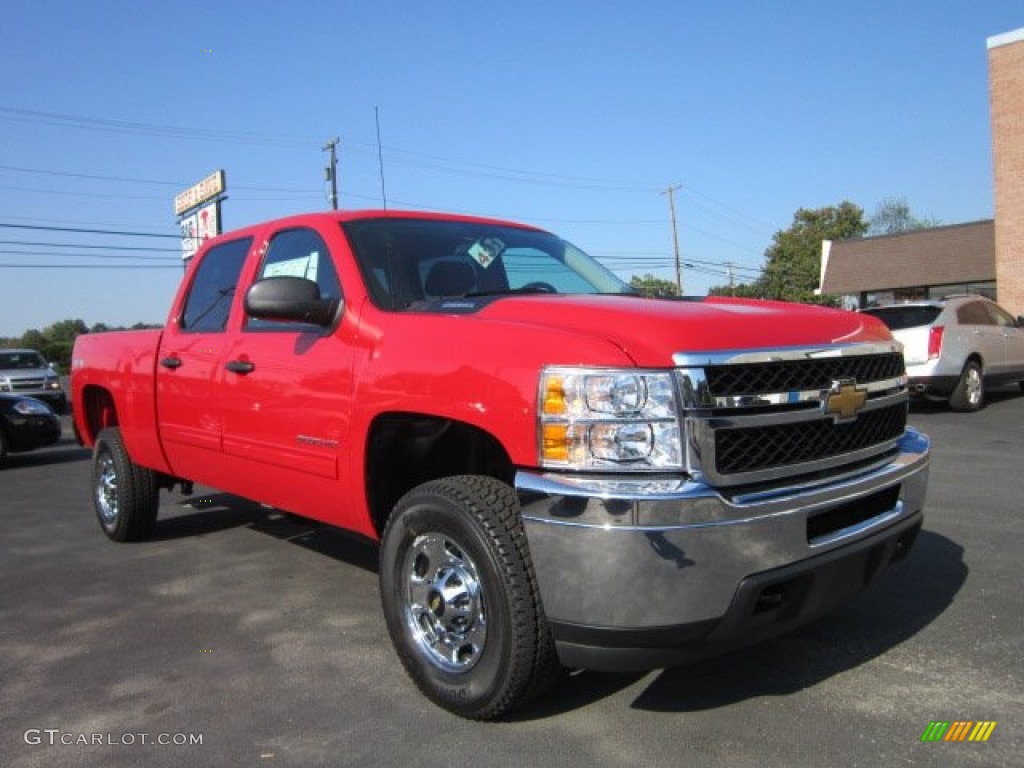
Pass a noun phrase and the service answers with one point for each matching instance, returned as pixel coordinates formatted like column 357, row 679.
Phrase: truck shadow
column 904, row 601
column 204, row 514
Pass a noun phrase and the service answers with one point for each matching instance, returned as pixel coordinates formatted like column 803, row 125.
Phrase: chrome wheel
column 443, row 602
column 461, row 600
column 969, row 393
column 973, row 386
column 106, row 490
column 125, row 495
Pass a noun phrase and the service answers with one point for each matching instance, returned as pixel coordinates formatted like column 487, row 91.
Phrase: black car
column 26, row 424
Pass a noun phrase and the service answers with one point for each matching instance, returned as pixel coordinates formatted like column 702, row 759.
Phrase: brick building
column 1006, row 95
column 984, row 257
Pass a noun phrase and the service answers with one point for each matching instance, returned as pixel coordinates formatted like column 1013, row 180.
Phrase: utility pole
column 675, row 236
column 732, row 278
column 331, row 171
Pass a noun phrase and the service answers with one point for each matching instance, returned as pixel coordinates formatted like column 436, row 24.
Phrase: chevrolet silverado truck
column 559, row 472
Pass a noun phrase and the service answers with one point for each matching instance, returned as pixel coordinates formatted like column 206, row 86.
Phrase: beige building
column 984, row 257
column 921, row 264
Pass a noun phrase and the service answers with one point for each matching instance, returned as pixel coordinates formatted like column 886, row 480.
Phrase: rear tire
column 969, row 394
column 461, row 600
column 125, row 495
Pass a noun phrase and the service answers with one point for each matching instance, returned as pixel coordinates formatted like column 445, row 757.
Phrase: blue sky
column 574, row 116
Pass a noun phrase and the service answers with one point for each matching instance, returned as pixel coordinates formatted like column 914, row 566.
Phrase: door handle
column 240, row 366
column 171, row 362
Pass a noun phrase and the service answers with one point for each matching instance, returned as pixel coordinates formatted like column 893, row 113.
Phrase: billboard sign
column 209, row 188
column 189, row 236
column 198, row 227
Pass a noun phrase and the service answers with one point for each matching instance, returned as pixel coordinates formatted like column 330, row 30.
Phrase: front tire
column 461, row 600
column 125, row 495
column 969, row 394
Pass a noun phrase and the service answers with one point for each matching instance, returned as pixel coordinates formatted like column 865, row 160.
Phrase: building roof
column 961, row 253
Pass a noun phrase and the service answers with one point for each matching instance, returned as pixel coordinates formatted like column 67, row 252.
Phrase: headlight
column 31, row 408
column 593, row 419
column 5, row 385
column 53, row 384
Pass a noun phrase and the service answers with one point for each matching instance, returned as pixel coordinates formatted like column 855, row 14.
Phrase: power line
column 155, row 182
column 149, row 129
column 82, row 230
column 91, row 266
column 37, row 243
column 44, row 254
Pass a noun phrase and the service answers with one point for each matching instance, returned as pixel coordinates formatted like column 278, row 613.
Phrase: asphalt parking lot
column 240, row 637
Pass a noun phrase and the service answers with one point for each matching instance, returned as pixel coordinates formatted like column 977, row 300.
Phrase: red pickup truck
column 559, row 471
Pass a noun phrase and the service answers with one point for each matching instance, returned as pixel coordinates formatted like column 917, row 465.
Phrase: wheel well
column 100, row 412
column 405, row 450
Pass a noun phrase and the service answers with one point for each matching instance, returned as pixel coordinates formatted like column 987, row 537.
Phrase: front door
column 287, row 391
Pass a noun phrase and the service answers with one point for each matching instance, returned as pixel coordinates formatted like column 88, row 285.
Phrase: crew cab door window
column 297, row 253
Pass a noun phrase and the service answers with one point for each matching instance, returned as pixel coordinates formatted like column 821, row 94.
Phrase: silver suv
column 25, row 372
column 957, row 346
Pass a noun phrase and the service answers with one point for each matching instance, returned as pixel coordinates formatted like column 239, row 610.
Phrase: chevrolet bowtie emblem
column 843, row 400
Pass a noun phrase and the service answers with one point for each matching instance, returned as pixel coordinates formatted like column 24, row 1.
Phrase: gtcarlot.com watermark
column 54, row 737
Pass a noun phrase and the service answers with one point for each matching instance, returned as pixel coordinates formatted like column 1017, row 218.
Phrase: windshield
column 412, row 263
column 12, row 361
column 898, row 318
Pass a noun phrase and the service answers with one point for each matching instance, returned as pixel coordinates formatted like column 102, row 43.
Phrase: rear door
column 982, row 335
column 191, row 351
column 1013, row 342
column 287, row 392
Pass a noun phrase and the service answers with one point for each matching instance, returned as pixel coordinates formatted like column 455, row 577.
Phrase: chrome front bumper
column 645, row 571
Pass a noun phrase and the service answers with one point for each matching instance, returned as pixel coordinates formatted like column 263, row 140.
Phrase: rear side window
column 974, row 314
column 999, row 317
column 898, row 318
column 208, row 303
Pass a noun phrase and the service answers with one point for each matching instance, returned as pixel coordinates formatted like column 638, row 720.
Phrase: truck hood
column 651, row 331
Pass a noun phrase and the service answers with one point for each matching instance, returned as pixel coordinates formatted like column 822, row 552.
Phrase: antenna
column 380, row 160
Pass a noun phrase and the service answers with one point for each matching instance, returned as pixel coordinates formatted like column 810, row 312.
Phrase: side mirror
column 292, row 299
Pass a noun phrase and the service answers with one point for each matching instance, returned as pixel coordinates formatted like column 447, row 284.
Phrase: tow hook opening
column 783, row 599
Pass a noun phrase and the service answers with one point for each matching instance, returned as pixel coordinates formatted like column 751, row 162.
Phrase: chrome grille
column 747, row 449
column 798, row 375
column 757, row 416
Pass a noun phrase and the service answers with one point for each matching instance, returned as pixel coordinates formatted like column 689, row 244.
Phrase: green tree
column 55, row 341
column 793, row 261
column 752, row 290
column 653, row 287
column 893, row 216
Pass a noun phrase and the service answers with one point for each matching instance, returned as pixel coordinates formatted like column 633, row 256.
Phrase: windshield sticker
column 485, row 251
